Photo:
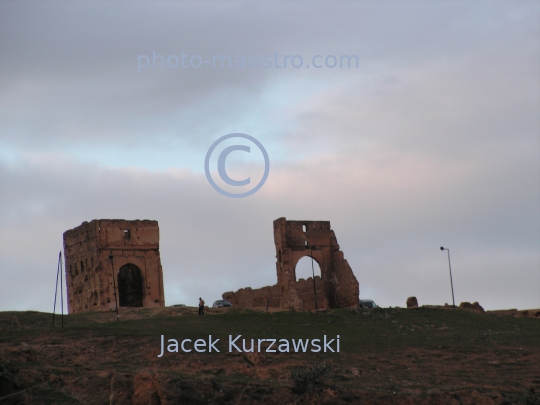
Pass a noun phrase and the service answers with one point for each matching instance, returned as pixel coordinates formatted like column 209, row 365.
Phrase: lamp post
column 111, row 257
column 450, row 268
column 313, row 274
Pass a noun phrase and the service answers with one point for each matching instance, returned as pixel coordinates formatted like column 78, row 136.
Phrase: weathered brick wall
column 304, row 288
column 296, row 239
column 249, row 298
column 89, row 270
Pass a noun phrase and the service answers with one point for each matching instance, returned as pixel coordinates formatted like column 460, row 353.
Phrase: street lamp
column 111, row 257
column 313, row 272
column 450, row 268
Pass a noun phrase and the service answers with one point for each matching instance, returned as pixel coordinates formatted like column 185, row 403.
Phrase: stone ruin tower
column 336, row 288
column 295, row 239
column 113, row 259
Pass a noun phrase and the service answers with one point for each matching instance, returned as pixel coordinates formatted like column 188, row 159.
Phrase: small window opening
column 127, row 234
column 303, row 228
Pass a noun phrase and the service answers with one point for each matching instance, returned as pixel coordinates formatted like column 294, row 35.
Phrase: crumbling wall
column 336, row 288
column 249, row 298
column 304, row 289
column 90, row 270
column 296, row 239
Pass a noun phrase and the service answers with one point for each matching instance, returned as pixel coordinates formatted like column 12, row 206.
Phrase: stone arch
column 130, row 286
column 317, row 267
column 296, row 239
column 309, row 289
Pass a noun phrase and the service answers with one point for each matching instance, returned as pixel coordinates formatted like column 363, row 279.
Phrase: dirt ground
column 389, row 356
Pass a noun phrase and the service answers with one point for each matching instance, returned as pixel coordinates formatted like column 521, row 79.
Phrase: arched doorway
column 130, row 286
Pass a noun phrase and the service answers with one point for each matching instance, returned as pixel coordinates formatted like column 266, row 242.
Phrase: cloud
column 432, row 141
column 390, row 216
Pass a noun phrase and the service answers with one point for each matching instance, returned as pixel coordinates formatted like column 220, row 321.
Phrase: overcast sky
column 433, row 140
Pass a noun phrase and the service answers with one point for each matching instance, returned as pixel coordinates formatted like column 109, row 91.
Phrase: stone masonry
column 99, row 250
column 336, row 288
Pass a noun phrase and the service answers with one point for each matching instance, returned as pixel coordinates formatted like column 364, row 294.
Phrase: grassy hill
column 387, row 356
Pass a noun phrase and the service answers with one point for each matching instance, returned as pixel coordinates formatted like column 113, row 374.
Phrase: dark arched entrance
column 130, row 286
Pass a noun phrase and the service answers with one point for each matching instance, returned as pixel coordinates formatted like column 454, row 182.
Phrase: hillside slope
column 387, row 356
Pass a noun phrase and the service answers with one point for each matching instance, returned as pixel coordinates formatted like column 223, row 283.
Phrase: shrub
column 309, row 377
column 531, row 398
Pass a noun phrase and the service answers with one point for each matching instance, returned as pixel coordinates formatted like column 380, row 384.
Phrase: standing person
column 201, row 306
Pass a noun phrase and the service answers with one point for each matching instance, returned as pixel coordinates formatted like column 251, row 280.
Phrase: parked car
column 178, row 305
column 221, row 304
column 368, row 304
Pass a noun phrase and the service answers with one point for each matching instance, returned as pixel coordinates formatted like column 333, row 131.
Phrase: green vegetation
column 359, row 329
column 382, row 351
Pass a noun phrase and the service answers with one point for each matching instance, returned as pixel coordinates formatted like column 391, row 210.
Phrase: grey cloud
column 389, row 224
column 70, row 68
column 444, row 108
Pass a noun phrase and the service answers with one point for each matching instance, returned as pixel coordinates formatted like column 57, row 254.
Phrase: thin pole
column 61, row 290
column 451, row 283
column 56, row 288
column 313, row 273
column 114, row 285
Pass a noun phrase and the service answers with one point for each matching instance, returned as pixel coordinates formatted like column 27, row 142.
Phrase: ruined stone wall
column 304, row 288
column 296, row 239
column 336, row 288
column 249, row 298
column 135, row 264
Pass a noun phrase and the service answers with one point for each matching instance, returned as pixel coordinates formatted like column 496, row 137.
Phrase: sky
column 429, row 138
